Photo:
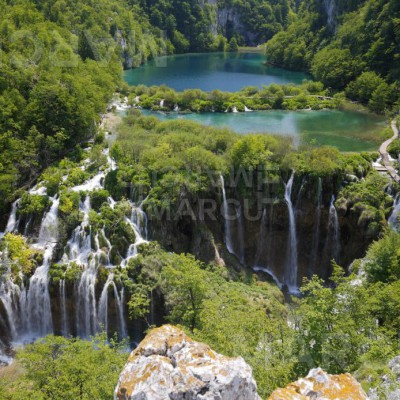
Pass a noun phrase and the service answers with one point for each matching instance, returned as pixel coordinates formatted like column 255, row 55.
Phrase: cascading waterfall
column 240, row 219
column 247, row 109
column 162, row 102
column 103, row 304
column 120, row 301
column 330, row 11
column 12, row 223
column 63, row 309
column 393, row 219
column 9, row 295
column 38, row 306
column 316, row 236
column 234, row 109
column 334, row 229
column 261, row 237
column 227, row 217
column 290, row 278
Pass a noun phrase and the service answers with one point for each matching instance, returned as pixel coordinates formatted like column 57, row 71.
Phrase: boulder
column 320, row 385
column 168, row 365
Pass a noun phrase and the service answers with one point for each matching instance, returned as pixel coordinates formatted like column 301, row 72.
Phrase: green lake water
column 347, row 130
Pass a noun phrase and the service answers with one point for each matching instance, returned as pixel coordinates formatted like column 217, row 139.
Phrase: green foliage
column 383, row 259
column 232, row 46
column 310, row 94
column 60, row 368
column 33, row 204
column 98, row 198
column 334, row 67
column 21, row 257
column 359, row 46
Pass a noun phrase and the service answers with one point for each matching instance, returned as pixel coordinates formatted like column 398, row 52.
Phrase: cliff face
column 320, row 385
column 169, row 365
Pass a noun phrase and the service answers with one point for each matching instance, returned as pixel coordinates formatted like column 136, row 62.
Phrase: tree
column 364, row 86
column 233, row 45
column 60, row 368
column 185, row 290
column 334, row 67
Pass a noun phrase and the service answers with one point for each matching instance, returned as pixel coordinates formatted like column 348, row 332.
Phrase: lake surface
column 347, row 130
column 229, row 72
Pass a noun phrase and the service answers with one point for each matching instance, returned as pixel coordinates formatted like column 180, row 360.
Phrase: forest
column 91, row 205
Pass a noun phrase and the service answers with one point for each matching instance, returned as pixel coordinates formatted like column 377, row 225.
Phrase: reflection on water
column 347, row 130
column 209, row 71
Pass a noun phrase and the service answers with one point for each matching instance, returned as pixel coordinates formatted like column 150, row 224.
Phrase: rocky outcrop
column 390, row 385
column 168, row 365
column 320, row 385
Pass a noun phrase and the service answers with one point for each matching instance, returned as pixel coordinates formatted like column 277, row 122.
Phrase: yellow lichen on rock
column 320, row 385
column 167, row 365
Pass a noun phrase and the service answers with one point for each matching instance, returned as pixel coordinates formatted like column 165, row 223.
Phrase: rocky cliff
column 320, row 385
column 169, row 365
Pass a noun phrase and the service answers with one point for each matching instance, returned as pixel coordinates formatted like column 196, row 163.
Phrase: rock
column 320, row 385
column 168, row 365
column 390, row 383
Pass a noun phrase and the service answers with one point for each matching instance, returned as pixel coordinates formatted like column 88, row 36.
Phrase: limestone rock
column 168, row 365
column 320, row 385
column 389, row 388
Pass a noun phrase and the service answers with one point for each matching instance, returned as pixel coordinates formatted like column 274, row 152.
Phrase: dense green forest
column 62, row 63
column 353, row 46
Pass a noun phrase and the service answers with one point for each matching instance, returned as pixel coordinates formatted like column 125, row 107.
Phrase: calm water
column 347, row 130
column 208, row 71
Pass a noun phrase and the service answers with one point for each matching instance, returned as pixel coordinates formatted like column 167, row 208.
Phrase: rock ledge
column 168, row 365
column 320, row 385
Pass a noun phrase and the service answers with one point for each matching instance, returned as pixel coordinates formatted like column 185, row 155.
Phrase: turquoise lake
column 347, row 130
column 208, row 71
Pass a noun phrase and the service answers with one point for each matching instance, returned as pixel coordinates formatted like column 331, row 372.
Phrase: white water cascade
column 330, row 11
column 316, row 236
column 290, row 278
column 38, row 306
column 247, row 109
column 334, row 229
column 12, row 223
column 234, row 109
column 227, row 217
column 240, row 218
column 63, row 309
column 162, row 102
column 393, row 219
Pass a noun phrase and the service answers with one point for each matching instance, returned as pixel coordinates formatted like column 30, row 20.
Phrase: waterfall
column 290, row 278
column 103, row 304
column 9, row 295
column 240, row 219
column 38, row 306
column 330, row 11
column 86, row 321
column 334, row 229
column 138, row 223
column 12, row 223
column 316, row 236
column 176, row 108
column 234, row 109
column 63, row 309
column 261, row 237
column 120, row 300
column 162, row 103
column 247, row 109
column 393, row 219
column 227, row 218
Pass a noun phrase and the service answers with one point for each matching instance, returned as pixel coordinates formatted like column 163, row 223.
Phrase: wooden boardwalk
column 387, row 165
